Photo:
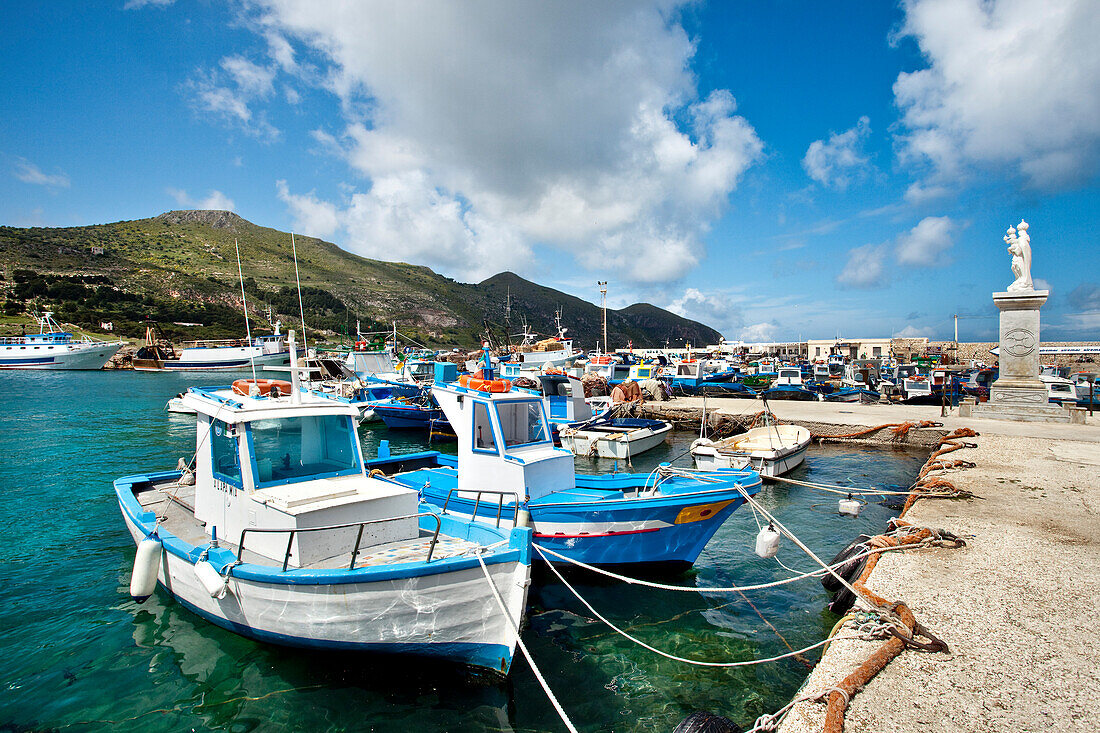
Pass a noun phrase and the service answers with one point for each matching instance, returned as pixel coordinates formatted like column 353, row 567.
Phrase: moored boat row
column 278, row 530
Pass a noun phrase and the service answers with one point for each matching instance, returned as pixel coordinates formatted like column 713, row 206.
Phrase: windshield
column 521, row 423
column 294, row 449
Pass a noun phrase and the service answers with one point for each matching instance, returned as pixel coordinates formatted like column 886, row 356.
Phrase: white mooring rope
column 523, row 648
column 673, row 657
column 733, row 588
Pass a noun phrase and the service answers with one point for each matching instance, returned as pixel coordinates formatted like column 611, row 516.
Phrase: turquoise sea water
column 77, row 654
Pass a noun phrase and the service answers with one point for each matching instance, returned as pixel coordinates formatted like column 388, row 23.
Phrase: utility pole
column 956, row 338
column 603, row 292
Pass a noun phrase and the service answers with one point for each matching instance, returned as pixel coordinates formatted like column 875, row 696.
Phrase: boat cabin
column 504, row 442
column 1059, row 390
column 563, row 397
column 689, row 370
column 290, row 462
column 789, row 376
column 631, row 372
column 371, row 363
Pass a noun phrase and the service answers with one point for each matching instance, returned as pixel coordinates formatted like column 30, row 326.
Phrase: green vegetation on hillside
column 181, row 267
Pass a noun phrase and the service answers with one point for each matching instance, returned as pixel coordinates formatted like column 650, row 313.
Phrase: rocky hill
column 181, row 268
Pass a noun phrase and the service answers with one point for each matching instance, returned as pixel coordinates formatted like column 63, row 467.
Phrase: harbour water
column 77, row 653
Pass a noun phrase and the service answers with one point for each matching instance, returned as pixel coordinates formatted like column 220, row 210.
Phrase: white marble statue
column 1019, row 246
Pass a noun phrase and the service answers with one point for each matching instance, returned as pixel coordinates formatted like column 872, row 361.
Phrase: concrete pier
column 1018, row 606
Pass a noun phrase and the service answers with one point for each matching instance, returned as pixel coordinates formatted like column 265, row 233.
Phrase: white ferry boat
column 52, row 348
column 211, row 355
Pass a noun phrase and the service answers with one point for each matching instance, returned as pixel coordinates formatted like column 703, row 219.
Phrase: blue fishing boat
column 508, row 467
column 410, row 413
column 276, row 531
column 690, row 379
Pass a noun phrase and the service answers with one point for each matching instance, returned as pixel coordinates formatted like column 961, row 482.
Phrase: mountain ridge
column 185, row 258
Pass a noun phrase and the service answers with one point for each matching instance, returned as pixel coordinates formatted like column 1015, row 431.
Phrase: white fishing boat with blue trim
column 279, row 534
column 771, row 450
column 53, row 348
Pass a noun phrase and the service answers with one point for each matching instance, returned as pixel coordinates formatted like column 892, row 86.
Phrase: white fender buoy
column 368, row 414
column 211, row 579
column 767, row 542
column 850, row 507
column 523, row 518
column 143, row 580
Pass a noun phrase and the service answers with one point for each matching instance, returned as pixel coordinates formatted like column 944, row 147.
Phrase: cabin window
column 226, row 457
column 521, row 423
column 483, row 429
column 301, row 448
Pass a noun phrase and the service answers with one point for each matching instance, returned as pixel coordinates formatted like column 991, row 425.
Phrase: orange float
column 266, row 387
column 484, row 385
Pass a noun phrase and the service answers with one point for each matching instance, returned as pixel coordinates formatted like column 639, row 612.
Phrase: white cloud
column 280, row 50
column 717, row 310
column 311, row 215
column 1088, row 322
column 215, row 200
column 253, row 80
column 920, row 193
column 28, row 172
column 503, row 125
column 836, row 162
column 136, row 4
column 912, row 332
column 759, row 332
column 229, row 93
column 1010, row 86
column 866, row 267
column 925, row 244
column 1041, row 284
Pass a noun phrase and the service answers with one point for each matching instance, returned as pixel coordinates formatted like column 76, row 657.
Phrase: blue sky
column 777, row 170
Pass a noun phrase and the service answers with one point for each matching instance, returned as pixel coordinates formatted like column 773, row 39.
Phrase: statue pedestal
column 1018, row 394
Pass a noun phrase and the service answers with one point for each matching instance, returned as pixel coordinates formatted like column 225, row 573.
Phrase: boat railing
column 500, row 502
column 358, row 537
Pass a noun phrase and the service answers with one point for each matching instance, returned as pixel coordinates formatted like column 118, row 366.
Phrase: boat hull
column 450, row 613
column 84, row 357
column 768, row 466
column 621, row 446
column 607, row 520
column 215, row 363
column 756, row 450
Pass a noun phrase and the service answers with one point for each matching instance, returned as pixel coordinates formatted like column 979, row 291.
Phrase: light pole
column 603, row 292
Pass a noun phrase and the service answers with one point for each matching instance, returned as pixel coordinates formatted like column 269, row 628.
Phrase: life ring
column 266, row 387
column 360, row 345
column 484, row 385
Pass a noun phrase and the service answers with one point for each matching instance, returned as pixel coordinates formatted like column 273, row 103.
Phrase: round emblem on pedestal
column 1019, row 342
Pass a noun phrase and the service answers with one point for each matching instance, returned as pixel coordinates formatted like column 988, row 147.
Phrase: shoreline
column 1015, row 605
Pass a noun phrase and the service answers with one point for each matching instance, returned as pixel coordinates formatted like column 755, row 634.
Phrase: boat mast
column 244, row 305
column 301, row 310
column 603, row 292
